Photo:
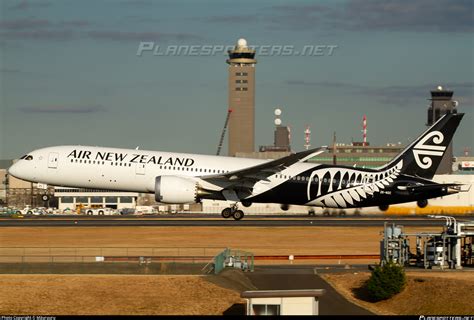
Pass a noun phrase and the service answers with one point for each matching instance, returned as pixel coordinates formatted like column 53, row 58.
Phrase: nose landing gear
column 232, row 211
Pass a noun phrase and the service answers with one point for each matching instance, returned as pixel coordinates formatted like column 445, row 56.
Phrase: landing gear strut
column 232, row 211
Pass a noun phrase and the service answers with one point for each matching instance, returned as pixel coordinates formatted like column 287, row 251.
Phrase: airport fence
column 108, row 254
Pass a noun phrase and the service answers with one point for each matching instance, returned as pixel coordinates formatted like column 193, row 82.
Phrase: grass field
column 426, row 293
column 113, row 295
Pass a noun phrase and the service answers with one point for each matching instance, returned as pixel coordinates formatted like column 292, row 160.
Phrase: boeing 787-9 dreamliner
column 179, row 178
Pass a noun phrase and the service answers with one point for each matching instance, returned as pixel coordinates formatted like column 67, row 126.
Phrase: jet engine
column 175, row 190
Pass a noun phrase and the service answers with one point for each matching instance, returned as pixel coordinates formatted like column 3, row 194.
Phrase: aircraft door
column 53, row 160
column 140, row 169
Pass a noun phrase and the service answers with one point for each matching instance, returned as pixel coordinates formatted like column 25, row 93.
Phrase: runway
column 215, row 221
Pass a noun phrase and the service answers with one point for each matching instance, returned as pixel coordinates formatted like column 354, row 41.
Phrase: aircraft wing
column 264, row 170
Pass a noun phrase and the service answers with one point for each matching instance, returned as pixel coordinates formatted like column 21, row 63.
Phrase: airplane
column 179, row 178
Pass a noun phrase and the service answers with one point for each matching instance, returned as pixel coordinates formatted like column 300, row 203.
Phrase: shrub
column 386, row 281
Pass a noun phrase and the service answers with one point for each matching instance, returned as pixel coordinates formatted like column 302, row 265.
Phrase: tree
column 386, row 281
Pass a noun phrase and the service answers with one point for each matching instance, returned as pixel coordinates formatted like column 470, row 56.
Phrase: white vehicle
column 98, row 211
column 179, row 178
column 33, row 211
column 145, row 210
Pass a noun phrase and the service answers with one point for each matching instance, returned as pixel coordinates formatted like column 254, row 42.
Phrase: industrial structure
column 282, row 137
column 241, row 98
column 449, row 249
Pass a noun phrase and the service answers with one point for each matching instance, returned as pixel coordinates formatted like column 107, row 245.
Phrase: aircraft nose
column 14, row 170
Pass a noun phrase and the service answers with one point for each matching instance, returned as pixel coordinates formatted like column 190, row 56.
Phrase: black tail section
column 422, row 157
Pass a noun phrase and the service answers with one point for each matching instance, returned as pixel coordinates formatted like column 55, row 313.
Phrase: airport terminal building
column 71, row 198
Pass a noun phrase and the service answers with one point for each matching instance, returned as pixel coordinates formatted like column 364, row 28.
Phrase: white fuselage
column 131, row 170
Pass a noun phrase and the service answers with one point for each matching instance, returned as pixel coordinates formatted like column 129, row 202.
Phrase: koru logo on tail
column 428, row 150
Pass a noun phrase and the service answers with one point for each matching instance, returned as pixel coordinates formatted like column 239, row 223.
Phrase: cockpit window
column 29, row 158
column 23, row 157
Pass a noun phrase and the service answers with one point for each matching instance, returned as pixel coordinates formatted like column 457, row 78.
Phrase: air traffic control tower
column 441, row 103
column 241, row 98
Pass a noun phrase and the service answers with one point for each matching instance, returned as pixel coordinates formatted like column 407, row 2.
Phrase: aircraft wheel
column 383, row 207
column 422, row 203
column 246, row 203
column 239, row 214
column 226, row 213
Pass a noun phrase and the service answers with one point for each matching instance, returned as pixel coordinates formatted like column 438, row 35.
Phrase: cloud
column 326, row 84
column 40, row 29
column 21, row 24
column 26, row 5
column 398, row 95
column 74, row 23
column 38, row 35
column 10, row 70
column 234, row 19
column 141, row 36
column 138, row 3
column 375, row 15
column 63, row 109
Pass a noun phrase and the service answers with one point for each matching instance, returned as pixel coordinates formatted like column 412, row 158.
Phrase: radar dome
column 277, row 122
column 242, row 43
column 277, row 112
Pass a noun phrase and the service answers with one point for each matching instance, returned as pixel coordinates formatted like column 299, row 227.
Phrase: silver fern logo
column 424, row 151
column 346, row 188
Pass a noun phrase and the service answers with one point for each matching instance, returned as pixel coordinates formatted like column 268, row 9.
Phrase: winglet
column 314, row 153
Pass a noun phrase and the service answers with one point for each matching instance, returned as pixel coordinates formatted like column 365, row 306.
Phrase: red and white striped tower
column 364, row 130
column 307, row 138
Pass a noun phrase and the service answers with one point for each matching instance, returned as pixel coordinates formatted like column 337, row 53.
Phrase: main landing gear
column 232, row 212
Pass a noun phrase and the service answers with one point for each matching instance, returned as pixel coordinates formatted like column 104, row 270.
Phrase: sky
column 70, row 72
